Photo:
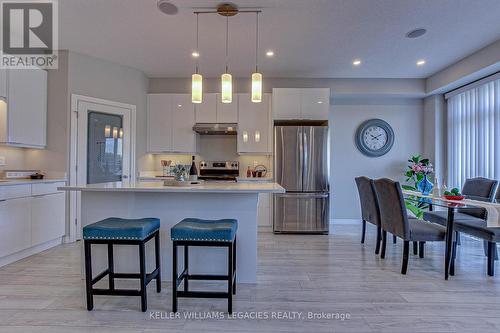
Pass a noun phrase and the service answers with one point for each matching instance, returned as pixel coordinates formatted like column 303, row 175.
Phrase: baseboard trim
column 29, row 251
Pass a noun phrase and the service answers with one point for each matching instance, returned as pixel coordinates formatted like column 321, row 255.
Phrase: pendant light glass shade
column 256, row 87
column 227, row 88
column 196, row 88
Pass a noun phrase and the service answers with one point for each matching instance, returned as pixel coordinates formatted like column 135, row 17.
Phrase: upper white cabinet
column 212, row 110
column 3, row 83
column 227, row 112
column 23, row 118
column 170, row 124
column 254, row 125
column 206, row 111
column 307, row 103
column 184, row 139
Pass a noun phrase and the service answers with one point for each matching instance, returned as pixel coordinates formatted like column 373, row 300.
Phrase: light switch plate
column 2, row 160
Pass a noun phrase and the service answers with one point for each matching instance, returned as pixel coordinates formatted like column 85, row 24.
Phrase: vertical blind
column 474, row 134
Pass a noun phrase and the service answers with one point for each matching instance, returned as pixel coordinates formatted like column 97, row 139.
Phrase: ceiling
column 311, row 38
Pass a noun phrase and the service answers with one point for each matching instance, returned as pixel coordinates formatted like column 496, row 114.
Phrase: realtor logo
column 29, row 34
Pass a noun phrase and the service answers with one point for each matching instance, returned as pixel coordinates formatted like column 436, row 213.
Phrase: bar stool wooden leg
column 157, row 259
column 142, row 260
column 230, row 278
column 111, row 268
column 186, row 268
column 174, row 277
column 88, row 275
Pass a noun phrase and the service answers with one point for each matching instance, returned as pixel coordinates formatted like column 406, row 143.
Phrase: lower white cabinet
column 47, row 218
column 30, row 215
column 15, row 225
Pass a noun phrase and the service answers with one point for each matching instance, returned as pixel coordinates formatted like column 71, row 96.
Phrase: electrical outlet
column 2, row 160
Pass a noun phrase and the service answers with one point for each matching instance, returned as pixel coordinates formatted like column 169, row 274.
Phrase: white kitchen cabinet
column 206, row 112
column 3, row 83
column 184, row 139
column 254, row 125
column 315, row 103
column 23, row 118
column 306, row 103
column 47, row 218
column 227, row 112
column 15, row 225
column 286, row 103
column 170, row 124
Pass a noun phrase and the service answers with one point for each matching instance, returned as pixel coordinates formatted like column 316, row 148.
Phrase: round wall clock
column 374, row 137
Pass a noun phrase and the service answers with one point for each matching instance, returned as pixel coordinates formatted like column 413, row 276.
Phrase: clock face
column 374, row 138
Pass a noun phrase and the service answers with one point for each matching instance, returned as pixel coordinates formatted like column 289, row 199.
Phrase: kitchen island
column 171, row 204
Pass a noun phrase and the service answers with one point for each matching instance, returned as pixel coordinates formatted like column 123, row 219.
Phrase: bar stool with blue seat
column 199, row 232
column 118, row 231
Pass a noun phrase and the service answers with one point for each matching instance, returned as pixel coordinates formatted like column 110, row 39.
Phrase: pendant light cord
column 197, row 39
column 227, row 38
column 256, row 42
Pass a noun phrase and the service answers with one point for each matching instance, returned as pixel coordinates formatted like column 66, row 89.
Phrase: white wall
column 100, row 78
column 406, row 118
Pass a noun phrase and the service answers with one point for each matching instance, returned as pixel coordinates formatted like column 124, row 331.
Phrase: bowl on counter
column 454, row 197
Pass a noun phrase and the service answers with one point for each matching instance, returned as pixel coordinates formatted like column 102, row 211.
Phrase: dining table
column 453, row 206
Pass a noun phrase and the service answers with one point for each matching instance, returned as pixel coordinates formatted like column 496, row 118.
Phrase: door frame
column 74, row 218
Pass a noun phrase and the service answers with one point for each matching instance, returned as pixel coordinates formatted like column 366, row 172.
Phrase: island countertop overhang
column 206, row 187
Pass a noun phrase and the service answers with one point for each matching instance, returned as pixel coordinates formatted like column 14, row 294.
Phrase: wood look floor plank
column 296, row 274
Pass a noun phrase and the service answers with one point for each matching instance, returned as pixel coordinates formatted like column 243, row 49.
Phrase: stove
column 219, row 170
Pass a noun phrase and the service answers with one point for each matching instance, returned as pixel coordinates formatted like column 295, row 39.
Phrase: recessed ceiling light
column 195, row 54
column 356, row 62
column 320, row 102
column 421, row 62
column 415, row 33
column 179, row 105
column 270, row 53
column 166, row 7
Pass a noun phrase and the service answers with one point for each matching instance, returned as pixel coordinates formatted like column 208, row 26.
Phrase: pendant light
column 196, row 78
column 226, row 78
column 257, row 77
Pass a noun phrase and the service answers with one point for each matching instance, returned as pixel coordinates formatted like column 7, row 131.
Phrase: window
column 474, row 133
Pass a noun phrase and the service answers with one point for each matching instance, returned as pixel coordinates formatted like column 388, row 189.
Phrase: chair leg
column 111, row 267
column 492, row 246
column 142, row 264
column 379, row 238
column 453, row 257
column 186, row 267
column 234, row 266
column 415, row 248
column 421, row 246
column 363, row 231
column 174, row 277
column 88, row 275
column 485, row 248
column 406, row 250
column 384, row 242
column 394, row 239
column 230, row 278
column 459, row 242
column 157, row 260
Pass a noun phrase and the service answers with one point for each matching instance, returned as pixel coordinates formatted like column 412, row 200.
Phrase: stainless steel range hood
column 215, row 129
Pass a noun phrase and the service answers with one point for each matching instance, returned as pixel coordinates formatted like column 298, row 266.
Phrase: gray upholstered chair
column 369, row 207
column 394, row 219
column 472, row 221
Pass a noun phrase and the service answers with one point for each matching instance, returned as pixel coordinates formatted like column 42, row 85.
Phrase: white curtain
column 474, row 134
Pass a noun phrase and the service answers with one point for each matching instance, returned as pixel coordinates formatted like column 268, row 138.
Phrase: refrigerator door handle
column 301, row 156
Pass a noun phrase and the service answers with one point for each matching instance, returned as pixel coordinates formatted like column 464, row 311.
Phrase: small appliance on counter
column 22, row 174
column 219, row 170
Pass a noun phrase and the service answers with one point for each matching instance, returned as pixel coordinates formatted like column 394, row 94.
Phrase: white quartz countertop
column 23, row 181
column 207, row 187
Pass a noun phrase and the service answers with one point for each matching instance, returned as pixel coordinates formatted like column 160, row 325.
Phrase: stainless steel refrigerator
column 301, row 167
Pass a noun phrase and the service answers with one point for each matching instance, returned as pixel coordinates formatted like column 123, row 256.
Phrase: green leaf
column 415, row 210
column 408, row 188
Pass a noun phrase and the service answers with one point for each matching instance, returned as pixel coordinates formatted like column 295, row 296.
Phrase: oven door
column 301, row 213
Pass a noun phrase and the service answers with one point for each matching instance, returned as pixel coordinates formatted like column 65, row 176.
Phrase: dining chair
column 394, row 219
column 472, row 221
column 369, row 207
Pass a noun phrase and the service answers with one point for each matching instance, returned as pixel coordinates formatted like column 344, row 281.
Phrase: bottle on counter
column 193, row 171
column 249, row 172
